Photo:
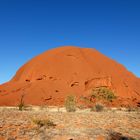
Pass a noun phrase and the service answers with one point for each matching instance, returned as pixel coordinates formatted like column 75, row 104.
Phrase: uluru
column 53, row 75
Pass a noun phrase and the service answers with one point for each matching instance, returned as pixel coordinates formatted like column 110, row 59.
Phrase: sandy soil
column 80, row 125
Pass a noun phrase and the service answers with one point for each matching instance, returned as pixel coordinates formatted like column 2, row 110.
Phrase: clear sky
column 30, row 27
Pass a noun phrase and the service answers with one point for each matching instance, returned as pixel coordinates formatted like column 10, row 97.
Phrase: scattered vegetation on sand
column 118, row 136
column 103, row 93
column 133, row 109
column 98, row 107
column 44, row 122
column 21, row 104
column 70, row 103
column 80, row 125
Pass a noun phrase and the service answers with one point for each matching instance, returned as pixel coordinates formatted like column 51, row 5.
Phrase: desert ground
column 53, row 123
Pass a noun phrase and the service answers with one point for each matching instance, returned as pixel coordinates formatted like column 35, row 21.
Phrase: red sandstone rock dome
column 51, row 76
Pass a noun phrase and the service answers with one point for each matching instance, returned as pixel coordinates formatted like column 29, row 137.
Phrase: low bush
column 70, row 103
column 97, row 108
column 103, row 93
column 47, row 123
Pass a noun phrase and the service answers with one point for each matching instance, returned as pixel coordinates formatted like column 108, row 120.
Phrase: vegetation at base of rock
column 118, row 136
column 132, row 109
column 70, row 103
column 44, row 122
column 98, row 107
column 85, row 99
column 103, row 93
column 21, row 104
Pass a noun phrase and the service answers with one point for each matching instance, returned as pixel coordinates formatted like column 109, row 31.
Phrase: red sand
column 51, row 76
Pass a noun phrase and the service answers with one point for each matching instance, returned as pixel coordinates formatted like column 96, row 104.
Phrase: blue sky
column 30, row 27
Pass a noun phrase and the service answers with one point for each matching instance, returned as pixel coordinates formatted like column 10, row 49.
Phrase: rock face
column 53, row 75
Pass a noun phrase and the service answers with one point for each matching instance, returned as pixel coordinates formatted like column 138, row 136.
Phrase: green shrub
column 97, row 108
column 70, row 103
column 103, row 93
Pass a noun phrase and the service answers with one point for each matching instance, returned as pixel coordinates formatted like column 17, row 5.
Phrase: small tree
column 70, row 103
column 21, row 103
